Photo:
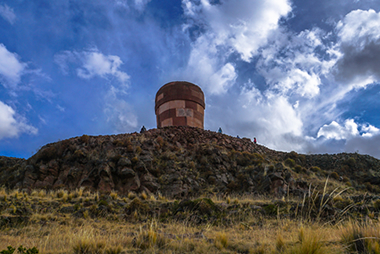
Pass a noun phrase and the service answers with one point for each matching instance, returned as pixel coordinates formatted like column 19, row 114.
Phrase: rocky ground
column 183, row 162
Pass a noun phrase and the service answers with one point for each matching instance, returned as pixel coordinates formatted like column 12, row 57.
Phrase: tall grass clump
column 310, row 242
column 361, row 238
column 86, row 246
column 150, row 238
column 314, row 203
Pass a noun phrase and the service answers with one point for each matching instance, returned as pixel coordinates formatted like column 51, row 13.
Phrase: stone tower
column 180, row 103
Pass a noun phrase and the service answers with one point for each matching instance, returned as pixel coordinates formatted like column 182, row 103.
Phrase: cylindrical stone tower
column 180, row 103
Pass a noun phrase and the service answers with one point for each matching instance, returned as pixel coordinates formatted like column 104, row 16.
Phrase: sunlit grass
column 55, row 223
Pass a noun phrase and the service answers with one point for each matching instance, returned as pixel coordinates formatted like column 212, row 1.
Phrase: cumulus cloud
column 226, row 28
column 347, row 137
column 243, row 25
column 7, row 13
column 93, row 63
column 348, row 130
column 294, row 64
column 336, row 131
column 359, row 44
column 11, row 68
column 12, row 124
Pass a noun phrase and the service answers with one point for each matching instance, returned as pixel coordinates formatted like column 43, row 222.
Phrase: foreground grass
column 83, row 222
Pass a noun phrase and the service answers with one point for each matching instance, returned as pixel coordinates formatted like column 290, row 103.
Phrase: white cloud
column 223, row 29
column 347, row 131
column 338, row 132
column 292, row 63
column 11, row 124
column 11, row 68
column 370, row 131
column 359, row 28
column 268, row 117
column 208, row 68
column 97, row 64
column 241, row 25
column 7, row 13
column 359, row 44
column 93, row 63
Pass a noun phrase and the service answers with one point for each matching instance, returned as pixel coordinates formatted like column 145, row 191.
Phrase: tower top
column 180, row 103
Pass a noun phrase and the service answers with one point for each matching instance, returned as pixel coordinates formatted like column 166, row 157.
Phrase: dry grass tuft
column 221, row 240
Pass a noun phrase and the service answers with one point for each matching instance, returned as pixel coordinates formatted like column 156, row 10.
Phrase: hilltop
column 183, row 162
column 187, row 190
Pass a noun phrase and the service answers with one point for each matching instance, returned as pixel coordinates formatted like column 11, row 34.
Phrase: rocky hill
column 182, row 162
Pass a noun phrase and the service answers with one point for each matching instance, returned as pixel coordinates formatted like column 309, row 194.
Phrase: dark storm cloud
column 359, row 45
column 359, row 64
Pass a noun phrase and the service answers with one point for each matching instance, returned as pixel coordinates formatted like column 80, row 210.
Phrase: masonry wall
column 180, row 103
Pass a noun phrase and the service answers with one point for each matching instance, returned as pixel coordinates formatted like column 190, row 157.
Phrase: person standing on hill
column 254, row 140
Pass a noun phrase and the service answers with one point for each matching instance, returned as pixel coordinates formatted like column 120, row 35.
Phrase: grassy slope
column 84, row 222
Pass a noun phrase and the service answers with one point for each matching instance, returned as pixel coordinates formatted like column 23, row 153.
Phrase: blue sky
column 297, row 75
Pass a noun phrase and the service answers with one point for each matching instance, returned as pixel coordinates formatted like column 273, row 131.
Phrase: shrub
column 243, row 159
column 298, row 168
column 368, row 186
column 135, row 160
column 376, row 204
column 47, row 153
column 118, row 143
column 131, row 195
column 192, row 165
column 351, row 162
column 290, row 163
column 342, row 203
column 316, row 169
column 129, row 148
column 115, row 158
column 144, row 196
column 334, row 175
column 137, row 206
column 113, row 195
column 84, row 139
column 167, row 156
column 78, row 154
column 160, row 141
